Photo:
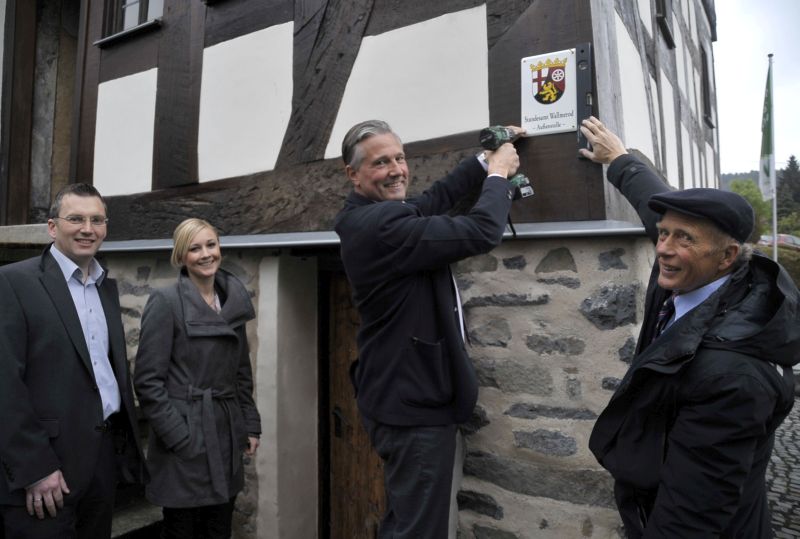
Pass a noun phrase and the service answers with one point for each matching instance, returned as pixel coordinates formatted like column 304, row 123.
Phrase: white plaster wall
column 698, row 104
column 698, row 167
column 670, row 133
column 656, row 114
column 685, row 9
column 646, row 15
column 123, row 143
column 427, row 80
column 680, row 62
column 245, row 103
column 686, row 149
column 692, row 22
column 711, row 175
column 636, row 118
column 286, row 381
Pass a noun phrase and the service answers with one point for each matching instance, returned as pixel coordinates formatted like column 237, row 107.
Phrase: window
column 127, row 16
column 708, row 107
column 664, row 18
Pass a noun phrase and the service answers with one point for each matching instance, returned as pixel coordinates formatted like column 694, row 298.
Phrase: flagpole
column 772, row 170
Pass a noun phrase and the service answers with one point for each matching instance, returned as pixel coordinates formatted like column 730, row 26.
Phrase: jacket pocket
column 427, row 375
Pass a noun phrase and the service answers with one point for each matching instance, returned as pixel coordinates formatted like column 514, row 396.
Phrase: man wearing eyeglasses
column 67, row 426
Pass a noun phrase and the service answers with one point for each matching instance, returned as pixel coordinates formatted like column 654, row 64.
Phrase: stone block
column 547, row 442
column 512, row 377
column 477, row 264
column 545, row 344
column 612, row 260
column 611, row 306
column 480, row 503
column 532, row 411
column 507, row 300
column 494, row 333
column 569, row 282
column 557, row 260
column 515, row 262
column 587, row 487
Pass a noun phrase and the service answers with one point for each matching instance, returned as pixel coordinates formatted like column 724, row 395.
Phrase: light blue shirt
column 688, row 301
column 93, row 322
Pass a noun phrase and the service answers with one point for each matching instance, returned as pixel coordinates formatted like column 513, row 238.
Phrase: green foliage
column 750, row 191
column 788, row 258
column 789, row 190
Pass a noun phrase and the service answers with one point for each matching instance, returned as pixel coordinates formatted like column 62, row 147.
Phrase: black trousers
column 86, row 515
column 208, row 522
column 418, row 475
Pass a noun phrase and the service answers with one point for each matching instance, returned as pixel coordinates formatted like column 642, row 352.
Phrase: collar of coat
column 755, row 313
column 201, row 320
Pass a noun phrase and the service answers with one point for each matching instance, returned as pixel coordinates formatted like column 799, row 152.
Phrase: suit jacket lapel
column 53, row 281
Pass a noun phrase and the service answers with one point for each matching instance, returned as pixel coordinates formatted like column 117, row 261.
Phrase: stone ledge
column 24, row 235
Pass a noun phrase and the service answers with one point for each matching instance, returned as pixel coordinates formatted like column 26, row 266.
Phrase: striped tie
column 666, row 312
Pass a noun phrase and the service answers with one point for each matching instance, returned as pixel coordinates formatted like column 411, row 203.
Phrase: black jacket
column 689, row 432
column 413, row 368
column 50, row 407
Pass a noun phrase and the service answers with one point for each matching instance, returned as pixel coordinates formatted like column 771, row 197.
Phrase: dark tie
column 664, row 314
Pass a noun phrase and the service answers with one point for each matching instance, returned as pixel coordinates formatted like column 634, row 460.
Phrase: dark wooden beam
column 87, row 80
column 299, row 198
column 22, row 25
column 234, row 18
column 327, row 38
column 177, row 115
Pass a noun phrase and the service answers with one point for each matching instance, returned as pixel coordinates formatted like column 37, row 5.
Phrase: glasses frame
column 69, row 219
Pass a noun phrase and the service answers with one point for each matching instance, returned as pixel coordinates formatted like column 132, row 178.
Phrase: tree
column 763, row 212
column 789, row 190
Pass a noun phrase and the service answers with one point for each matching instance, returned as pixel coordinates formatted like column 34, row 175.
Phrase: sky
column 747, row 31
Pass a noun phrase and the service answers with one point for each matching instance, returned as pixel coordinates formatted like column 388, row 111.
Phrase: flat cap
column 730, row 212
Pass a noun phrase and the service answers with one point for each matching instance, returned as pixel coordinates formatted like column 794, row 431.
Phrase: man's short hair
column 77, row 189
column 351, row 151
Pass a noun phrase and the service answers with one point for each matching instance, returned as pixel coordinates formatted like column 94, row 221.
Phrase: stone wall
column 552, row 325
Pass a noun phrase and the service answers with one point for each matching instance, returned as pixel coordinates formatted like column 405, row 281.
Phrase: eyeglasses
column 78, row 220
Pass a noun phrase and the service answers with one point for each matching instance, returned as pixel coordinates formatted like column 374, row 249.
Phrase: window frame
column 112, row 22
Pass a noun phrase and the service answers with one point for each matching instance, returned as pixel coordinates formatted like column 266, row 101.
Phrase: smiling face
column 383, row 172
column 203, row 256
column 79, row 243
column 691, row 253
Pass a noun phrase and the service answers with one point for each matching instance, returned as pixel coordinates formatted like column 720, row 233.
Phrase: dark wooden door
column 356, row 495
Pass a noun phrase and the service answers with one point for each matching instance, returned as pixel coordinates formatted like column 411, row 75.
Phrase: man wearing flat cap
column 688, row 434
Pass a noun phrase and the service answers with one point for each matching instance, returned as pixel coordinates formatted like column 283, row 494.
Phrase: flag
column 766, row 169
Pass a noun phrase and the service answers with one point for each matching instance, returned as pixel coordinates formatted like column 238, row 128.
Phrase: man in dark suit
column 67, row 426
column 414, row 380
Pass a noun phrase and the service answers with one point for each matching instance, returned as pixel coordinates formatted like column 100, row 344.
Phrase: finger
column 37, row 508
column 586, row 153
column 29, row 503
column 58, row 498
column 50, row 504
column 64, row 487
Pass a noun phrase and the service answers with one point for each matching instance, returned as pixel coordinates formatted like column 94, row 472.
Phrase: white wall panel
column 670, row 133
column 686, row 148
column 123, row 140
column 426, row 80
column 245, row 103
column 635, row 115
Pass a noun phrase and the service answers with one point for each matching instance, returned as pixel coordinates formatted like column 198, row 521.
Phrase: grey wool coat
column 195, row 387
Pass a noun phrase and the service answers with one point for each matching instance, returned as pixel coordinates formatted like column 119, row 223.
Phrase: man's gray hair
column 351, row 149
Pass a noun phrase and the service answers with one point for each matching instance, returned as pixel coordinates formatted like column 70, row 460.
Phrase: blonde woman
column 195, row 387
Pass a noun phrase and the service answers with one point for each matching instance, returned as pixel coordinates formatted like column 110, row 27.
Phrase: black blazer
column 413, row 367
column 49, row 402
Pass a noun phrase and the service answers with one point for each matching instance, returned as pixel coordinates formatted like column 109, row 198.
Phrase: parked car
column 784, row 240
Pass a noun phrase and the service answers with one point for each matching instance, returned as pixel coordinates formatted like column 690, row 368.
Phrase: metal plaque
column 549, row 91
